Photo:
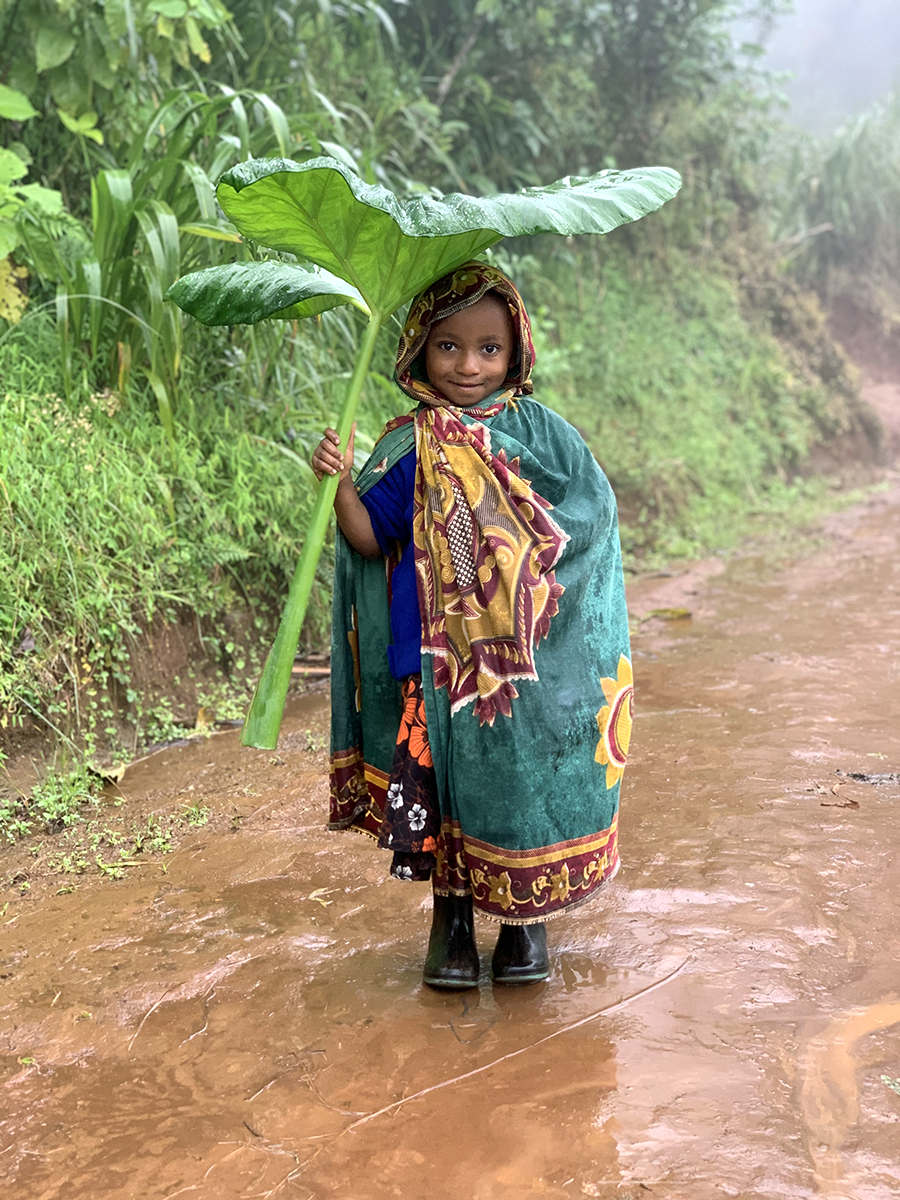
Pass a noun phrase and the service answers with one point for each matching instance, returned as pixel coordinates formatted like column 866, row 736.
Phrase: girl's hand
column 350, row 511
column 327, row 458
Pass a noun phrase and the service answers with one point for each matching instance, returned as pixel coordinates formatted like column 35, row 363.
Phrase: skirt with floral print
column 412, row 818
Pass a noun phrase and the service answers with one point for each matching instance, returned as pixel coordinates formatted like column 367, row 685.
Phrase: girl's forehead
column 490, row 314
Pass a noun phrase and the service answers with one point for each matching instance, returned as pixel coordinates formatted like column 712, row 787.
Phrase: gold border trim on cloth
column 353, row 758
column 346, row 758
column 379, row 778
column 516, row 887
column 357, row 793
column 545, row 854
column 520, row 887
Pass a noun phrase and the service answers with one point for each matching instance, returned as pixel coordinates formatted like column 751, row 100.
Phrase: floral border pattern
column 517, row 887
column 524, row 886
column 358, row 793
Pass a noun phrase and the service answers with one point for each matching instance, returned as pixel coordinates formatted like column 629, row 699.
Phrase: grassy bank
column 702, row 404
column 702, row 409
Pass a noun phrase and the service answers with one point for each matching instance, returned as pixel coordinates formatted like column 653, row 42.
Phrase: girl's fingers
column 327, row 458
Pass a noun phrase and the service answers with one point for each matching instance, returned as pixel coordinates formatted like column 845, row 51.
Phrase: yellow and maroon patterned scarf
column 485, row 543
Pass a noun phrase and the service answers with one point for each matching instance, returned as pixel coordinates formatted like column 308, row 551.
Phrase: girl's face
column 467, row 356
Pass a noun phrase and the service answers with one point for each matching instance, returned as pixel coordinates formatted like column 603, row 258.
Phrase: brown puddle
column 225, row 1028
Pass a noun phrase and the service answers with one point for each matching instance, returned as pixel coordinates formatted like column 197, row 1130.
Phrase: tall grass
column 105, row 526
column 153, row 217
column 838, row 199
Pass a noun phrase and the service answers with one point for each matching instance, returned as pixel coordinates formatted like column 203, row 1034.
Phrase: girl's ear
column 515, row 354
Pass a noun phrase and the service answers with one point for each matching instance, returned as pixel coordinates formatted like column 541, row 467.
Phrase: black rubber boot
column 521, row 954
column 452, row 960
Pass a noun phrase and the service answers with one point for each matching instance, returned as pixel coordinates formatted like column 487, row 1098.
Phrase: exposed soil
column 246, row 1018
column 875, row 349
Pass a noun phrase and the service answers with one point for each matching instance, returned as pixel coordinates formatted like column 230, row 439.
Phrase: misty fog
column 841, row 54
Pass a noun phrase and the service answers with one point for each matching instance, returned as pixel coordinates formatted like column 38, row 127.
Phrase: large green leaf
column 9, row 237
column 11, row 167
column 53, row 45
column 15, row 106
column 244, row 293
column 37, row 198
column 389, row 248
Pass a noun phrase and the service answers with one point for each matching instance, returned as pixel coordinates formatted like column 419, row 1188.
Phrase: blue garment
column 389, row 503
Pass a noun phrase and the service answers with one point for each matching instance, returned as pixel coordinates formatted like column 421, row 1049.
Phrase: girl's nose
column 468, row 364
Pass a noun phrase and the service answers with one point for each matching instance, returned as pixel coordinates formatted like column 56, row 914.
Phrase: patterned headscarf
column 449, row 295
column 485, row 543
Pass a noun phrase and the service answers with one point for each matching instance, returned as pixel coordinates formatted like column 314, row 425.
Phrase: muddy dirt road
column 251, row 1022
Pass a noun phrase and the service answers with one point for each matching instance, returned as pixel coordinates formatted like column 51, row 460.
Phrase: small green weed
column 68, row 864
column 111, row 870
column 154, row 839
column 161, row 725
column 55, row 803
column 109, row 845
column 226, row 700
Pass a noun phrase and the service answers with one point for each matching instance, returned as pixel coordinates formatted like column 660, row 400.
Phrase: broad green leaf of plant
column 9, row 237
column 244, row 293
column 169, row 8
column 53, row 46
column 11, row 167
column 15, row 106
column 391, row 248
column 37, row 198
column 196, row 41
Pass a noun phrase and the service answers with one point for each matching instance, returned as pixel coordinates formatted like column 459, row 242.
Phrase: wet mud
column 247, row 1018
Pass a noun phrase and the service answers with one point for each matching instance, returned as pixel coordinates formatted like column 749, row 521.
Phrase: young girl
column 479, row 606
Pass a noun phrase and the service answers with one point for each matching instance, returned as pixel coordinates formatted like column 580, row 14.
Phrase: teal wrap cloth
column 529, row 802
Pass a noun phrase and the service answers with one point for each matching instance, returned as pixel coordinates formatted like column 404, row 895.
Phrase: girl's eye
column 490, row 348
column 446, row 346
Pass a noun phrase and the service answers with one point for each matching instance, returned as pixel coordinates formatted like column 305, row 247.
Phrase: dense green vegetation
column 151, row 469
column 839, row 205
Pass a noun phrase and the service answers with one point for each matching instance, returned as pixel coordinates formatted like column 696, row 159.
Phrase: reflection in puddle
column 829, row 1091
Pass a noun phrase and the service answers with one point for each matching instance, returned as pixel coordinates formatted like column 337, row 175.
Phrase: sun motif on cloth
column 614, row 721
column 485, row 549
